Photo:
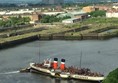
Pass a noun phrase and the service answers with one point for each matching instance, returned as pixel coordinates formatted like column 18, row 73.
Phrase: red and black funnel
column 62, row 66
column 55, row 63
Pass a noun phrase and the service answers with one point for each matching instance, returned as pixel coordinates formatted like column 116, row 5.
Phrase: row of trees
column 52, row 18
column 98, row 13
column 14, row 21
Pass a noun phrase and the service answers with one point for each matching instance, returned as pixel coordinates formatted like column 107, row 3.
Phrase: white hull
column 39, row 68
column 65, row 76
column 87, row 78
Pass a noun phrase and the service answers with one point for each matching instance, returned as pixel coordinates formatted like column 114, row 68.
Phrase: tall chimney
column 62, row 66
column 55, row 63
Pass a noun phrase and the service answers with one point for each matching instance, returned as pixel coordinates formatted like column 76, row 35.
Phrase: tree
column 98, row 13
column 112, row 77
column 14, row 21
column 26, row 19
column 52, row 18
column 1, row 23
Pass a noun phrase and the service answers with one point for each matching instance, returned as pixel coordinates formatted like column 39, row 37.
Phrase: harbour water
column 99, row 56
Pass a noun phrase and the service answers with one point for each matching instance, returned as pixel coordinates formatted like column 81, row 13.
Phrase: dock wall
column 52, row 37
column 17, row 42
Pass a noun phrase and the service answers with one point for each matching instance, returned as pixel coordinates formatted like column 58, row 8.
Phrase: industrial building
column 75, row 14
column 71, row 20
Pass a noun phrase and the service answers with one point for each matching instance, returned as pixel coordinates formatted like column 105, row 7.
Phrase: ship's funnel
column 55, row 63
column 62, row 66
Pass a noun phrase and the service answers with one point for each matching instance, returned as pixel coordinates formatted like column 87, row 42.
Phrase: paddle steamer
column 53, row 69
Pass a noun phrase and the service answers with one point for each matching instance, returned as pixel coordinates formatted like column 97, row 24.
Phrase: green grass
column 101, row 20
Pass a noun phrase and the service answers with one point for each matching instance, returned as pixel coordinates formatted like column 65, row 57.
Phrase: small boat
column 51, row 68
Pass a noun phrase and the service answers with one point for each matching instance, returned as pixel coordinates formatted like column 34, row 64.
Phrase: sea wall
column 91, row 36
column 53, row 37
column 17, row 42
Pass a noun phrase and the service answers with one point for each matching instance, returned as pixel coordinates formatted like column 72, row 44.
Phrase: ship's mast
column 39, row 53
column 39, row 56
column 80, row 59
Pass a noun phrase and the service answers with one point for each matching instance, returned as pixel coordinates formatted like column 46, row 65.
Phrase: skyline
column 39, row 1
column 20, row 1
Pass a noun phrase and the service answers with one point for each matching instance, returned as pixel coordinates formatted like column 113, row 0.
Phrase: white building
column 115, row 7
column 52, row 13
column 16, row 12
column 112, row 14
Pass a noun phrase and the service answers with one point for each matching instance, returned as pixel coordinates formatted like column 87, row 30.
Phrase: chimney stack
column 62, row 66
column 55, row 63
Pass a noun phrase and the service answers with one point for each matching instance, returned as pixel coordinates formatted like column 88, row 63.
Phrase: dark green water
column 100, row 56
